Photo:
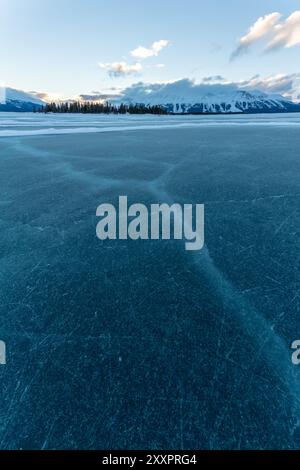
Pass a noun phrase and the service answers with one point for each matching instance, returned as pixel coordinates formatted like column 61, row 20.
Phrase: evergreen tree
column 88, row 107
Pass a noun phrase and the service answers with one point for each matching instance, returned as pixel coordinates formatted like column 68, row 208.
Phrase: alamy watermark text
column 161, row 221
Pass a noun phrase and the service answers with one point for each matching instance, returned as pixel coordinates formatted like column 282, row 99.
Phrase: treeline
column 100, row 108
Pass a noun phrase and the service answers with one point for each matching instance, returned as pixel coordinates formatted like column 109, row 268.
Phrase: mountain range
column 182, row 96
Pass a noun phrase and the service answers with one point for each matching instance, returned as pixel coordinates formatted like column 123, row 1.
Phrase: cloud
column 213, row 79
column 262, row 26
column 285, row 85
column 153, row 51
column 179, row 91
column 119, row 69
column 45, row 96
column 42, row 95
column 114, row 89
column 100, row 97
column 285, row 33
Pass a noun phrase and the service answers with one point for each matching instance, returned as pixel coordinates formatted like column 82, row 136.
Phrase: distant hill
column 18, row 100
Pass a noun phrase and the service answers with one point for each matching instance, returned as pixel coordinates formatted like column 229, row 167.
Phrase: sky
column 66, row 48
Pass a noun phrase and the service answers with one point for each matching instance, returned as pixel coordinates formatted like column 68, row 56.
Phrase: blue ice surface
column 140, row 344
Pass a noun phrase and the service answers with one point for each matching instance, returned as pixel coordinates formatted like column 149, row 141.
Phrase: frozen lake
column 22, row 124
column 141, row 344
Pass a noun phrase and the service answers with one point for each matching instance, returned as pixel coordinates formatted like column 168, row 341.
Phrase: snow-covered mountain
column 18, row 100
column 184, row 96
